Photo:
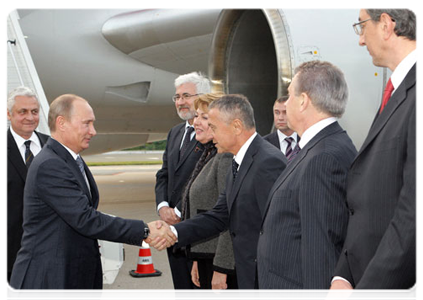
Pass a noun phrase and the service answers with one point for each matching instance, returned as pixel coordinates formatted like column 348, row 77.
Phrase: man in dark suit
column 380, row 247
column 240, row 208
column 23, row 113
column 284, row 138
column 181, row 154
column 61, row 224
column 306, row 216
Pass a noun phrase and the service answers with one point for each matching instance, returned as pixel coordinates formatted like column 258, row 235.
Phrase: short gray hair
column 19, row 91
column 325, row 84
column 202, row 84
column 405, row 21
column 235, row 106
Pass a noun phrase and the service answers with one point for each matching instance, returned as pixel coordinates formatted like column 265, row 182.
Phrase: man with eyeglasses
column 380, row 247
column 181, row 154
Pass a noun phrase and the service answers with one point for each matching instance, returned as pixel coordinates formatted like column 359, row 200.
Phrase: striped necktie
column 289, row 149
column 294, row 153
column 28, row 154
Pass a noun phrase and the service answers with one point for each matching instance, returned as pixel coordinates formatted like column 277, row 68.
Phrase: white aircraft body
column 124, row 62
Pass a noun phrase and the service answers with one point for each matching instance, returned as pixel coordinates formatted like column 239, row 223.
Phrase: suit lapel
column 396, row 100
column 94, row 196
column 242, row 172
column 67, row 157
column 174, row 146
column 192, row 144
column 329, row 130
column 275, row 139
column 41, row 138
column 15, row 157
column 188, row 151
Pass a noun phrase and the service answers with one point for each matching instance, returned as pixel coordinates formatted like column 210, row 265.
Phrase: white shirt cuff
column 174, row 230
column 162, row 204
column 339, row 278
column 177, row 212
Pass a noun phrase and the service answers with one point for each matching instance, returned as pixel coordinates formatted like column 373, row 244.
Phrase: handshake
column 161, row 236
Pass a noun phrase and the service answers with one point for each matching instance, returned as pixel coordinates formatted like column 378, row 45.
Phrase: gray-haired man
column 179, row 159
column 23, row 143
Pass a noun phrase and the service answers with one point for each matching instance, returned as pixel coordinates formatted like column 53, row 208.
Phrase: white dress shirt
column 402, row 69
column 35, row 145
column 239, row 157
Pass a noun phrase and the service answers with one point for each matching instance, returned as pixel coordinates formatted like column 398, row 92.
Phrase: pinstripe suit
column 306, row 217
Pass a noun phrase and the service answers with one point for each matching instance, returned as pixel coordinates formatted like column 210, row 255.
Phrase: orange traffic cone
column 145, row 267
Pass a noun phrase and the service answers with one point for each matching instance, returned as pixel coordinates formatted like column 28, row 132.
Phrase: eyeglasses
column 358, row 27
column 184, row 95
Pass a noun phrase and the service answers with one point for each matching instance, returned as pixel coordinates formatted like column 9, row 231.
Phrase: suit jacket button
column 261, row 232
column 351, row 211
column 233, row 234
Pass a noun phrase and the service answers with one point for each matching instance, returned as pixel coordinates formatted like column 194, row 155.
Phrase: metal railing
column 21, row 68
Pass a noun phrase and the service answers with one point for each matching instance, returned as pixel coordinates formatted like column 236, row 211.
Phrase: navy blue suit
column 61, row 226
column 240, row 208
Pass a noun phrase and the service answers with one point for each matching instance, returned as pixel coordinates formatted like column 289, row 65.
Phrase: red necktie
column 387, row 94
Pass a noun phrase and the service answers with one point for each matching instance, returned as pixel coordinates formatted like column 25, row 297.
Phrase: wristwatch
column 146, row 231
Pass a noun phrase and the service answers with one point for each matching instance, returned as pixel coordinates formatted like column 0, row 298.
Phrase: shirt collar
column 20, row 140
column 403, row 68
column 241, row 153
column 74, row 155
column 187, row 124
column 282, row 136
column 313, row 130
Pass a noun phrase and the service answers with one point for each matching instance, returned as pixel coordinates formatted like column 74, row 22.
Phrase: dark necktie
column 234, row 168
column 387, row 94
column 186, row 141
column 294, row 153
column 28, row 154
column 80, row 165
column 289, row 149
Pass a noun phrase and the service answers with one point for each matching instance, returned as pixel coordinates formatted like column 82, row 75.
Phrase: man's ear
column 388, row 25
column 60, row 123
column 8, row 115
column 305, row 101
column 237, row 126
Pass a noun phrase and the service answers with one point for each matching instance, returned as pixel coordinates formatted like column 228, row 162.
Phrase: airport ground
column 128, row 191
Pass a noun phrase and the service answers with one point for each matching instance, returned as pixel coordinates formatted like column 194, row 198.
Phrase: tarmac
column 128, row 191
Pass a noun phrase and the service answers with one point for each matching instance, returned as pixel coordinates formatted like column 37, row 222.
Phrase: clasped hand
column 161, row 236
